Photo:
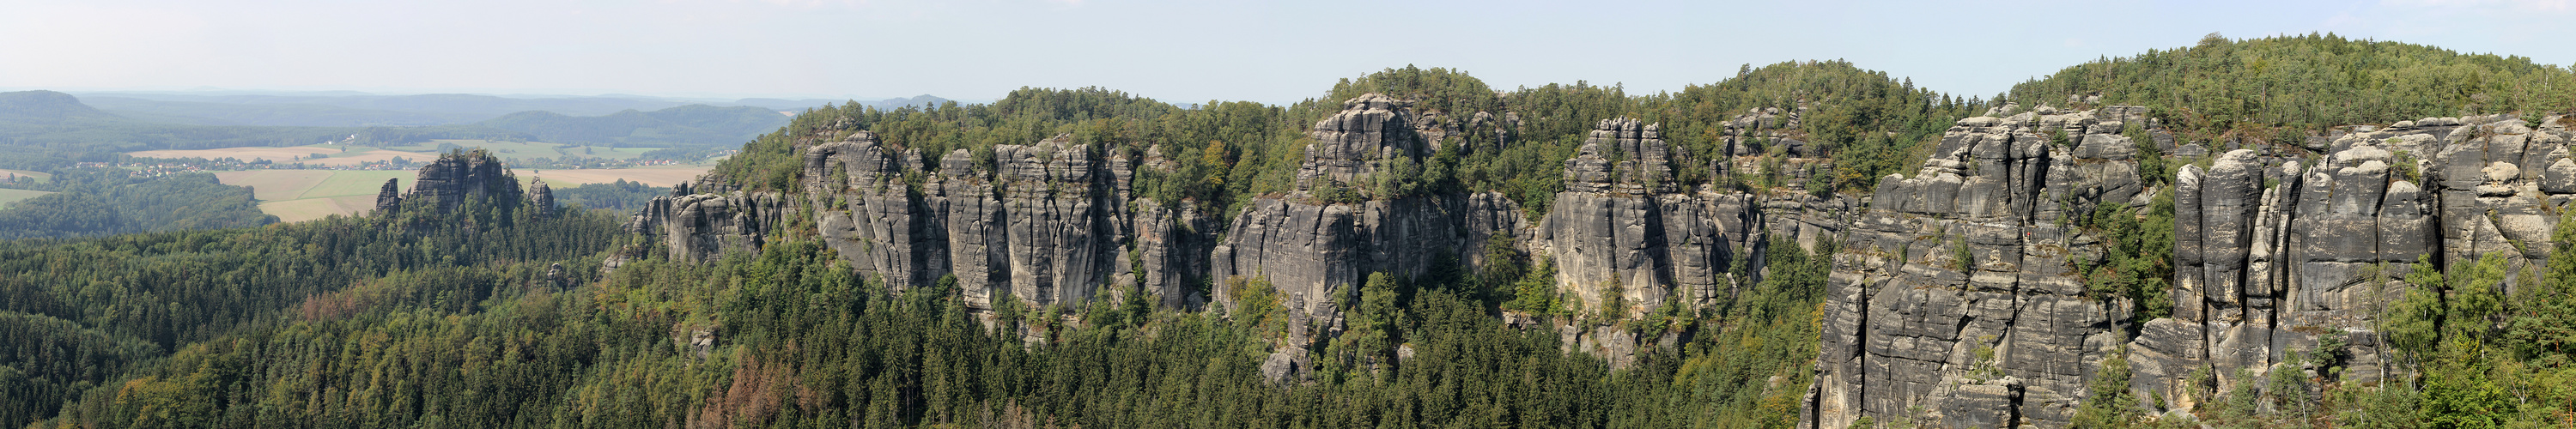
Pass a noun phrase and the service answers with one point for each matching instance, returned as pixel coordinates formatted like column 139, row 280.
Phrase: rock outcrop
column 1952, row 300
column 455, row 178
column 1621, row 231
column 698, row 227
column 2274, row 252
column 1037, row 226
column 541, row 198
column 1313, row 251
column 1349, row 145
column 1955, row 299
column 389, row 198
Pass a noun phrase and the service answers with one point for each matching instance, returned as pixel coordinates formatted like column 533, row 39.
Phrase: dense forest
column 620, row 196
column 2289, row 86
column 105, row 201
column 491, row 314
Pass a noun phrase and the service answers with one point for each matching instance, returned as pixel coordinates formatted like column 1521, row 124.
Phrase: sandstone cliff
column 1312, row 250
column 2276, row 247
column 1954, row 300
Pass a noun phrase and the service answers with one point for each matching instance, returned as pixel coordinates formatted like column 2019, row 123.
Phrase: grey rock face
column 453, row 178
column 699, row 227
column 1620, row 230
column 1048, row 223
column 541, row 198
column 1348, row 145
column 389, row 198
column 2271, row 253
column 1956, row 294
column 1312, row 251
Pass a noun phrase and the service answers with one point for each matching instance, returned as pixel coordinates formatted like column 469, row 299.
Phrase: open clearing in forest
column 7, row 175
column 515, row 151
column 13, row 195
column 316, row 155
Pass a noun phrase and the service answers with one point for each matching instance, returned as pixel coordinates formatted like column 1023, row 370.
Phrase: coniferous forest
column 173, row 303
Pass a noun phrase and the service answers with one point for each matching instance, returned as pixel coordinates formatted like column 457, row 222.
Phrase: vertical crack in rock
column 1958, row 283
column 2273, row 249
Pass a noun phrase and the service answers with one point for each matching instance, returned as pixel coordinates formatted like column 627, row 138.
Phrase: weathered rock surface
column 1348, row 145
column 1955, row 294
column 389, row 198
column 1621, row 231
column 452, row 179
column 2272, row 252
column 1048, row 223
column 541, row 198
column 2275, row 252
column 1312, row 251
column 698, row 227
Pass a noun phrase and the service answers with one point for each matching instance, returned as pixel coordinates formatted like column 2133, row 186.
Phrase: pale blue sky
column 1180, row 51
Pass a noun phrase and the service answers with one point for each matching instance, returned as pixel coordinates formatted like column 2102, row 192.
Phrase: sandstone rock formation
column 542, row 198
column 2273, row 252
column 1622, row 230
column 454, row 178
column 1954, row 300
column 389, row 198
column 1348, row 145
column 699, row 227
column 1313, row 250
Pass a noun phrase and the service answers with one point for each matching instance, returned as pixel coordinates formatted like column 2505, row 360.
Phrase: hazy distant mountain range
column 344, row 109
column 120, row 121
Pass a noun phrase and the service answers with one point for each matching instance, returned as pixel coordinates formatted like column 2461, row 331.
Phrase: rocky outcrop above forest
column 1955, row 300
column 1047, row 223
column 1312, row 250
column 1349, row 144
column 1623, row 235
column 698, row 227
column 454, row 178
column 2278, row 247
column 2274, row 252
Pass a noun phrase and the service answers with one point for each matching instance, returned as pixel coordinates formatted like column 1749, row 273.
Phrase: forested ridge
column 492, row 314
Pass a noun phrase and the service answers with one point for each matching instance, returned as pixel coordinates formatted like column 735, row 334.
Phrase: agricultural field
column 7, row 175
column 513, row 151
column 13, row 195
column 319, row 155
column 340, row 155
column 297, row 195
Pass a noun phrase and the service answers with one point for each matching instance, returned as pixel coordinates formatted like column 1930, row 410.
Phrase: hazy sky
column 1179, row 51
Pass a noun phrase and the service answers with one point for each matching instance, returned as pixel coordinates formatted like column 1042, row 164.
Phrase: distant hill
column 689, row 125
column 292, row 115
column 48, row 107
column 351, row 109
column 45, row 129
column 334, row 109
